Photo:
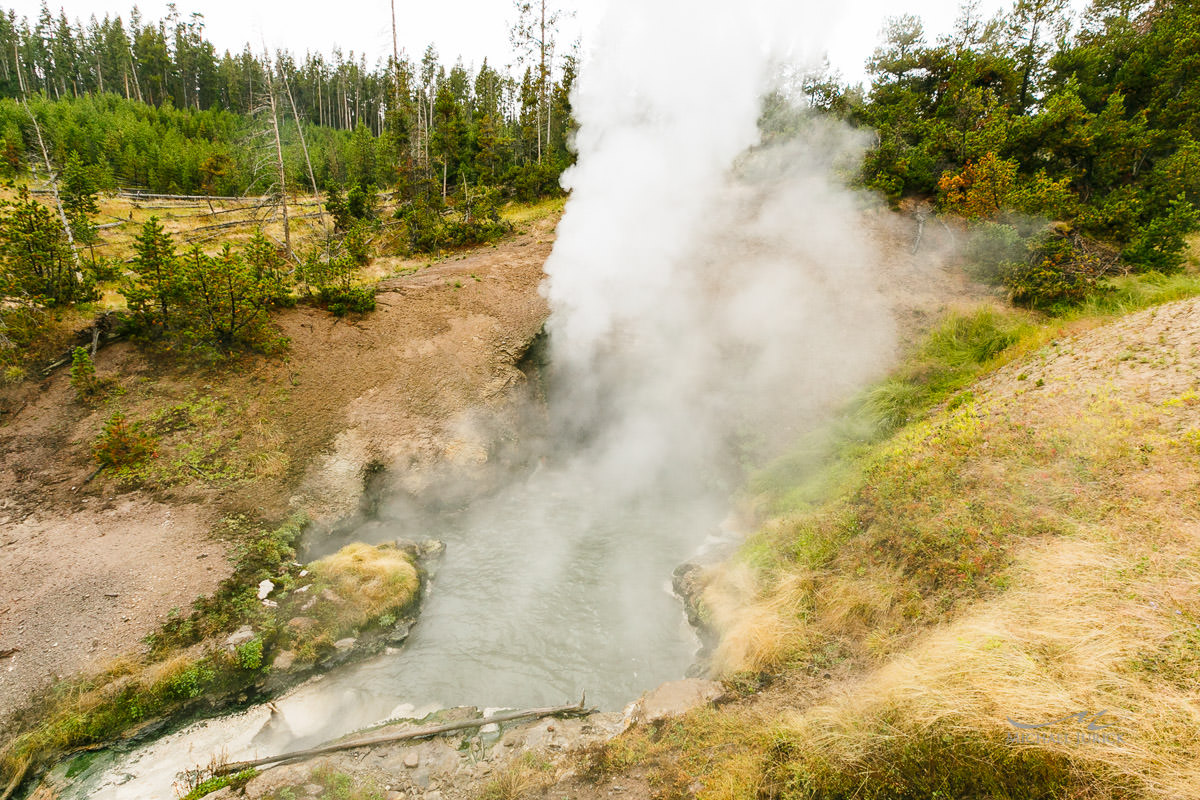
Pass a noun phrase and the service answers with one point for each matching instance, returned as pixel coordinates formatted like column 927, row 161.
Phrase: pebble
column 412, row 760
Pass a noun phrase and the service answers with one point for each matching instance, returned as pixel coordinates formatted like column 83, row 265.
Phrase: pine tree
column 157, row 287
column 35, row 255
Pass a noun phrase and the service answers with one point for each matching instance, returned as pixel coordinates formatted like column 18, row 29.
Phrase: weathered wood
column 243, row 222
column 139, row 195
column 419, row 733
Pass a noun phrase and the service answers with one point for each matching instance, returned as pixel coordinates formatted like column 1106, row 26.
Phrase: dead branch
column 419, row 733
column 136, row 194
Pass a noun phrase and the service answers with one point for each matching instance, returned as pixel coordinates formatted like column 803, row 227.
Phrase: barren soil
column 89, row 568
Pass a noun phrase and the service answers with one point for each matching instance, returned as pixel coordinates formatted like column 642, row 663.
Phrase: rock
column 345, row 644
column 673, row 699
column 394, row 796
column 302, row 623
column 399, row 632
column 265, row 587
column 412, row 759
column 331, row 596
column 433, row 796
column 284, row 660
column 408, row 547
column 374, row 530
column 239, row 637
column 312, row 789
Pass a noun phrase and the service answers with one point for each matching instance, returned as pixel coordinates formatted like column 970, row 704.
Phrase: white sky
column 470, row 28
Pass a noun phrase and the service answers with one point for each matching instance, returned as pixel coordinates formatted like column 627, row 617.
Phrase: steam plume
column 700, row 294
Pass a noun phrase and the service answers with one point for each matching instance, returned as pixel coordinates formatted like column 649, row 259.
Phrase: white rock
column 265, row 588
column 240, row 636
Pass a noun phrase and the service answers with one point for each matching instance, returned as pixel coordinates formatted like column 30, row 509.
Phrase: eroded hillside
column 91, row 562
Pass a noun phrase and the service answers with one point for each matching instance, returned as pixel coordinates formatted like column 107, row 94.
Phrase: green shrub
column 989, row 247
column 250, row 654
column 190, row 683
column 473, row 220
column 340, row 302
column 1160, row 244
column 1056, row 272
column 83, row 374
column 13, row 375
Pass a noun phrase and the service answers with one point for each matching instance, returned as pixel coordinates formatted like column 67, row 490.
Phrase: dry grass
column 370, row 580
column 525, row 776
column 1027, row 552
column 521, row 214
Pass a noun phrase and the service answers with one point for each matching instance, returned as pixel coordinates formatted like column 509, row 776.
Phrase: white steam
column 702, row 289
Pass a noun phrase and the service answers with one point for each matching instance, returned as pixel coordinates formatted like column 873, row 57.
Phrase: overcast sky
column 470, row 28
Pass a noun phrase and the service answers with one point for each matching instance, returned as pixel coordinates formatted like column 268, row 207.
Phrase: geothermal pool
column 547, row 589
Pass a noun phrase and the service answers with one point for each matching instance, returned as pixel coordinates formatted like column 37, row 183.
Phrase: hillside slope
column 88, row 568
column 1027, row 554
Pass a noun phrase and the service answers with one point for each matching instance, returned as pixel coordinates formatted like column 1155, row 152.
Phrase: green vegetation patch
column 190, row 661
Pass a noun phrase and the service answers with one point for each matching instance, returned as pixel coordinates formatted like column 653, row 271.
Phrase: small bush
column 13, row 375
column 1056, row 272
column 472, row 221
column 122, row 444
column 340, row 302
column 250, row 654
column 83, row 374
column 992, row 245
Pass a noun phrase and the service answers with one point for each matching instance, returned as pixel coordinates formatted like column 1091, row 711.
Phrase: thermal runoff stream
column 712, row 294
column 525, row 609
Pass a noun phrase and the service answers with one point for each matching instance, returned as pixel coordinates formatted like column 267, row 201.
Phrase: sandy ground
column 87, row 569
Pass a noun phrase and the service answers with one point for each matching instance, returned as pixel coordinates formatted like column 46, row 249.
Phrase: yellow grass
column 1030, row 553
column 372, row 580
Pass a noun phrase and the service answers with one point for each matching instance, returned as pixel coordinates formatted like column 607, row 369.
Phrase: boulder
column 239, row 637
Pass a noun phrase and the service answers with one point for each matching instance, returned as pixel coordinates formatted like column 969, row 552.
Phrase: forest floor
column 89, row 565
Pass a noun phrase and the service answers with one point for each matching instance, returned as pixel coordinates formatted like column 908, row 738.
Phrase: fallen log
column 136, row 195
column 419, row 733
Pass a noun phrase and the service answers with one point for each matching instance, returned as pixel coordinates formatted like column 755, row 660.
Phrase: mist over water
column 710, row 297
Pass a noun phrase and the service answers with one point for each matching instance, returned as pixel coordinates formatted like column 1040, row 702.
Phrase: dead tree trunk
column 419, row 733
column 300, row 130
column 62, row 214
column 287, row 233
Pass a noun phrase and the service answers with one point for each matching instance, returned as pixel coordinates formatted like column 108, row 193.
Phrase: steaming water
column 694, row 305
column 596, row 615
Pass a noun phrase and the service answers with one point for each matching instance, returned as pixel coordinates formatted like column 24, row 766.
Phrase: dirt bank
column 88, row 568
